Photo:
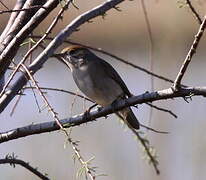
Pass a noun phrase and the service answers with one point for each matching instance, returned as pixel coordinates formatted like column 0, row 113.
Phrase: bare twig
column 197, row 16
column 23, row 9
column 153, row 130
column 61, row 90
column 3, row 5
column 162, row 109
column 189, row 56
column 151, row 51
column 113, row 56
column 12, row 160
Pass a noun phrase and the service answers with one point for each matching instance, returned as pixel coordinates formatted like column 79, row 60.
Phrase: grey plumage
column 98, row 80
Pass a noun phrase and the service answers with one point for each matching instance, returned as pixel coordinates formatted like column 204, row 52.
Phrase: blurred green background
column 181, row 153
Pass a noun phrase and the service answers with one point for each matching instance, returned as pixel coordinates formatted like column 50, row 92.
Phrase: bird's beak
column 61, row 58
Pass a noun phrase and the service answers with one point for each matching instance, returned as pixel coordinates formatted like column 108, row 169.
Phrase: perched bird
column 98, row 80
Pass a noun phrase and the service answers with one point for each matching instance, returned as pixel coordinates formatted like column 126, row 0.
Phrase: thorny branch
column 57, row 120
column 12, row 160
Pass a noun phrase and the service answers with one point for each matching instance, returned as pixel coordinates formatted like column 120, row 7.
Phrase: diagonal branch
column 10, row 49
column 54, row 44
column 53, row 24
column 197, row 16
column 189, row 56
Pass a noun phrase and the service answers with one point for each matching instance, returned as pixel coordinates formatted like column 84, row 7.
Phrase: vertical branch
column 151, row 50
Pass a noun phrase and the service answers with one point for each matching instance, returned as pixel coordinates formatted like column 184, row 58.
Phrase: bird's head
column 75, row 56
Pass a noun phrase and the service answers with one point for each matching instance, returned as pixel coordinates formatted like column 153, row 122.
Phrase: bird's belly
column 103, row 92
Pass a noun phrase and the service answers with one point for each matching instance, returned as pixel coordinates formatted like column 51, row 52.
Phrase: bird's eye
column 72, row 52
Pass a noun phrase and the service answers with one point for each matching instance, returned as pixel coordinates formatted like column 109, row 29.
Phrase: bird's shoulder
column 112, row 73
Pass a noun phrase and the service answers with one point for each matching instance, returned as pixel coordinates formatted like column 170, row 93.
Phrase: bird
column 98, row 80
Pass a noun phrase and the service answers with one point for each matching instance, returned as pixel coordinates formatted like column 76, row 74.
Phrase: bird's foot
column 87, row 112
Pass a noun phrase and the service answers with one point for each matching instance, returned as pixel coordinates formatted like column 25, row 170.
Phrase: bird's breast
column 97, row 86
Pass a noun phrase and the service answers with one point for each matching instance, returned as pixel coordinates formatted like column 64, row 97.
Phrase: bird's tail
column 128, row 116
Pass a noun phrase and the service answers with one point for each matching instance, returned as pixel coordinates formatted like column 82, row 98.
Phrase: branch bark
column 14, row 41
column 54, row 44
column 80, row 119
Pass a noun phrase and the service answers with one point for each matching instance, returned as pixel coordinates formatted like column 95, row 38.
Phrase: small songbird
column 98, row 80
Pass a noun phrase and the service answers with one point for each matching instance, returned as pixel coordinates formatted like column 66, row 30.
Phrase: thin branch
column 3, row 5
column 162, row 109
column 197, row 16
column 61, row 90
column 113, row 56
column 23, row 9
column 13, row 161
column 189, row 56
column 151, row 51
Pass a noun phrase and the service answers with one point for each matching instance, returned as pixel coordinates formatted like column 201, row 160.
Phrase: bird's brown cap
column 70, row 48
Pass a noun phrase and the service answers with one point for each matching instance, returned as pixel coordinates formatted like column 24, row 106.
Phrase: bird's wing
column 110, row 71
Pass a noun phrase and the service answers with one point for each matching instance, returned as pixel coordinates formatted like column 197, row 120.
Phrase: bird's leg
column 86, row 113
